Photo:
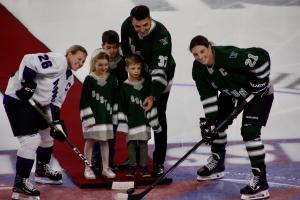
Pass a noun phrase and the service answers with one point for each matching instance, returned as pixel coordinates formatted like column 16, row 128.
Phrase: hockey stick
column 233, row 114
column 74, row 148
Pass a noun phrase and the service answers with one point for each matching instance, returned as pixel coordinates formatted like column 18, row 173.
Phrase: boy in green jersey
column 132, row 119
column 226, row 76
column 150, row 39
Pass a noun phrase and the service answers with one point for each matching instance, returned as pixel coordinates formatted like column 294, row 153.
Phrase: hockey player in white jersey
column 45, row 77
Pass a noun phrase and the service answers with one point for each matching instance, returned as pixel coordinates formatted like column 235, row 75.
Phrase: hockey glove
column 206, row 126
column 27, row 90
column 56, row 131
column 259, row 87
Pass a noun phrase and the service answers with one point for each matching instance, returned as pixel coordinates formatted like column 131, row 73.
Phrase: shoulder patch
column 233, row 55
column 164, row 41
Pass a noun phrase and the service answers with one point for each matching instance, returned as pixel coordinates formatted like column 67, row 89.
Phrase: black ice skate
column 257, row 187
column 45, row 175
column 23, row 189
column 214, row 169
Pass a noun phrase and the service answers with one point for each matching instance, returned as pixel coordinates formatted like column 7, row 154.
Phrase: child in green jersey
column 97, row 104
column 132, row 119
column 225, row 76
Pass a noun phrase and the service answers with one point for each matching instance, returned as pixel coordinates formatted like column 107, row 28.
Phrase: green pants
column 137, row 148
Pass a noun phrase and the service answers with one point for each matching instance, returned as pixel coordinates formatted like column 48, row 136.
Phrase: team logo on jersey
column 164, row 41
column 233, row 55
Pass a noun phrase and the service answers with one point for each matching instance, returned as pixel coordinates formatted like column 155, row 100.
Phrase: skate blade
column 43, row 180
column 20, row 196
column 211, row 177
column 260, row 195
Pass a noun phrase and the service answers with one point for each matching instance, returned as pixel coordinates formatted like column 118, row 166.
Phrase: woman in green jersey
column 226, row 76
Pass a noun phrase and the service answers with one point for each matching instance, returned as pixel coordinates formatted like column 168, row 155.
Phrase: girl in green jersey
column 97, row 104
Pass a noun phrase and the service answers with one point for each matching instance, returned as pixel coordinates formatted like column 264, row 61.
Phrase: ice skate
column 23, row 189
column 214, row 169
column 45, row 175
column 257, row 187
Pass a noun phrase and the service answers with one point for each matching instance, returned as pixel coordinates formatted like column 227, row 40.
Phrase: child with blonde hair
column 97, row 104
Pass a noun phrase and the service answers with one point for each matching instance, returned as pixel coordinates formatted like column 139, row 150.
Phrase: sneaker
column 89, row 174
column 46, row 175
column 23, row 189
column 158, row 169
column 131, row 171
column 108, row 173
column 214, row 169
column 144, row 172
column 257, row 187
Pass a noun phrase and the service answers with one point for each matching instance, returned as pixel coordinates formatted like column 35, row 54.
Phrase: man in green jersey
column 225, row 76
column 150, row 39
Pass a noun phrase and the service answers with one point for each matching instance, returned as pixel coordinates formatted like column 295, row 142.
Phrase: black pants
column 255, row 112
column 23, row 118
column 160, row 139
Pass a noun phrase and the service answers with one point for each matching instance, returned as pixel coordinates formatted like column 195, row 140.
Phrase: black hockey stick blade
column 164, row 181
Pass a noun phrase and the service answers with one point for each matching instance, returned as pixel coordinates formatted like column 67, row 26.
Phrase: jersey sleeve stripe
column 210, row 100
column 85, row 112
column 210, row 109
column 262, row 68
column 266, row 74
column 87, row 122
column 160, row 80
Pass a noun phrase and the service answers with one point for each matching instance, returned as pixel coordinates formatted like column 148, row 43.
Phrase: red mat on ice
column 16, row 40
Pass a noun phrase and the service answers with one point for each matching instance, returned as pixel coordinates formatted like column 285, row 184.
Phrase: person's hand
column 148, row 103
column 27, row 90
column 259, row 87
column 59, row 131
column 206, row 126
column 157, row 129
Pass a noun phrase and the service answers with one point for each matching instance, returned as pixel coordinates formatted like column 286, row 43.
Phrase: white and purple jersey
column 51, row 74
